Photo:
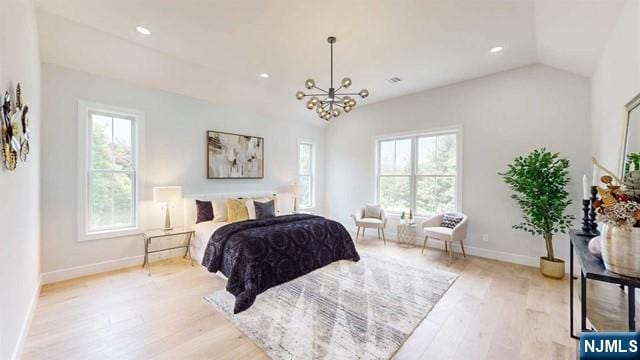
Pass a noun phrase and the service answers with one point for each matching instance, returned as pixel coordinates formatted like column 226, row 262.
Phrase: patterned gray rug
column 346, row 310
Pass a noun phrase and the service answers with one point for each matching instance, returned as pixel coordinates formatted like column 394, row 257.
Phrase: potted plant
column 619, row 209
column 539, row 182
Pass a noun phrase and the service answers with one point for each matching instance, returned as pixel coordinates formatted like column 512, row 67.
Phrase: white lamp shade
column 167, row 193
column 296, row 189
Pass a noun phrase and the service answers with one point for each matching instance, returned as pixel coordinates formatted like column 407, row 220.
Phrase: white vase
column 621, row 250
column 595, row 246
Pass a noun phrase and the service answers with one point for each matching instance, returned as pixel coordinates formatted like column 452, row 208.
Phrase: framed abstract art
column 233, row 156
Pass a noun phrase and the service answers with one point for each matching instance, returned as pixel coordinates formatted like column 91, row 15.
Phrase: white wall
column 19, row 190
column 615, row 82
column 503, row 116
column 174, row 153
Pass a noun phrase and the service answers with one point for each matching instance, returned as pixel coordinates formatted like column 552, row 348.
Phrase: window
column 109, row 171
column 418, row 172
column 306, row 174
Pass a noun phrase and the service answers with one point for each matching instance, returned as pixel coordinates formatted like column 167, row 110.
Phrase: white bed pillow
column 219, row 210
column 252, row 208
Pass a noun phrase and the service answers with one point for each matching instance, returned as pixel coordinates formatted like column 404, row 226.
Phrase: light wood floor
column 495, row 310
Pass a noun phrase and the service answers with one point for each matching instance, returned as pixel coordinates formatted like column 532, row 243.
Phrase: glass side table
column 155, row 234
column 407, row 234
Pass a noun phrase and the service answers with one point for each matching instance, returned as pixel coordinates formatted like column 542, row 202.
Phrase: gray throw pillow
column 264, row 210
column 372, row 211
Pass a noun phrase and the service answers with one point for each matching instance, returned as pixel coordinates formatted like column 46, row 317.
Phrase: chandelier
column 328, row 103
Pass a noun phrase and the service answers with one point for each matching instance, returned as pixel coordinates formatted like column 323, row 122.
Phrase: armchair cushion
column 372, row 211
column 450, row 221
column 369, row 222
column 439, row 232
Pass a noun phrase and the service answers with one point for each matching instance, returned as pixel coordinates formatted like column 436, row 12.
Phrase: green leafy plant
column 539, row 182
column 633, row 162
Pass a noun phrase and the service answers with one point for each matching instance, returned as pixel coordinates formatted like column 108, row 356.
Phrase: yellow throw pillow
column 237, row 210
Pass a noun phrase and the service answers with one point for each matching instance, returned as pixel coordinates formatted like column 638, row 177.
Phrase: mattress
column 204, row 230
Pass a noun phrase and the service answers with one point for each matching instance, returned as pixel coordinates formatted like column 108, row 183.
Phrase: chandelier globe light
column 329, row 103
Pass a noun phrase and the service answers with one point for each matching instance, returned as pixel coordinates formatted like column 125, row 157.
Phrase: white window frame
column 314, row 171
column 85, row 108
column 456, row 129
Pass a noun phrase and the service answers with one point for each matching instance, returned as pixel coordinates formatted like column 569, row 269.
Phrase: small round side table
column 407, row 234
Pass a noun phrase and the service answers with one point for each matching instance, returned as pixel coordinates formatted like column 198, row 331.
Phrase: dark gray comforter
column 256, row 255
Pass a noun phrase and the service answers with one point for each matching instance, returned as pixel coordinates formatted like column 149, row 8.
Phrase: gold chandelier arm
column 348, row 94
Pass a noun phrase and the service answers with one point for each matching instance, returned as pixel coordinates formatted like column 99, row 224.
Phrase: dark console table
column 592, row 268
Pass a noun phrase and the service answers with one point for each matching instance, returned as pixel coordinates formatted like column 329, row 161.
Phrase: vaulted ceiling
column 215, row 50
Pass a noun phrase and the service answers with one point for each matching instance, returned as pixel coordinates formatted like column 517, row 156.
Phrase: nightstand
column 407, row 234
column 155, row 234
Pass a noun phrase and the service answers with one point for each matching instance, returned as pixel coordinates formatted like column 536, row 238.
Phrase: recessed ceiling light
column 264, row 75
column 143, row 30
column 496, row 49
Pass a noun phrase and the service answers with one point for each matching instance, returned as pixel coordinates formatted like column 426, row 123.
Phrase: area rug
column 345, row 310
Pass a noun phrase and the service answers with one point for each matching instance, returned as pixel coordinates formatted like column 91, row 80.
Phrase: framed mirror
column 630, row 149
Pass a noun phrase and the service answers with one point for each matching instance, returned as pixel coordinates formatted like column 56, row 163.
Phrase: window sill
column 416, row 218
column 396, row 216
column 109, row 234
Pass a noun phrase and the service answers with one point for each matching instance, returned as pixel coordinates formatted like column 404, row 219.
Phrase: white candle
column 585, row 187
column 594, row 176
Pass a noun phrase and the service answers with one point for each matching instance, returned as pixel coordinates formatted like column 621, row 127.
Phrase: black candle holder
column 586, row 222
column 592, row 212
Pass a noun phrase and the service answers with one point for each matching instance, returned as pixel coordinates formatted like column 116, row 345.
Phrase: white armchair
column 362, row 221
column 433, row 229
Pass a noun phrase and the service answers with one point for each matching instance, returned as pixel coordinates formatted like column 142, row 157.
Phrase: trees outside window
column 306, row 174
column 112, row 172
column 418, row 173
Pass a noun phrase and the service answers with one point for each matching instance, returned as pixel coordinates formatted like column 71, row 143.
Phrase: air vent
column 394, row 79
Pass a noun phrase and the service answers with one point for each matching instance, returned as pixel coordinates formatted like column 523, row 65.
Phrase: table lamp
column 295, row 189
column 167, row 194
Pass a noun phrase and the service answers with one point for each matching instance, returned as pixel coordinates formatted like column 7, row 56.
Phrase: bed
column 204, row 230
column 255, row 255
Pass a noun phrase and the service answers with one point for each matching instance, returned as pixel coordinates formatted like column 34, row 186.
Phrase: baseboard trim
column 471, row 250
column 488, row 253
column 26, row 324
column 104, row 266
